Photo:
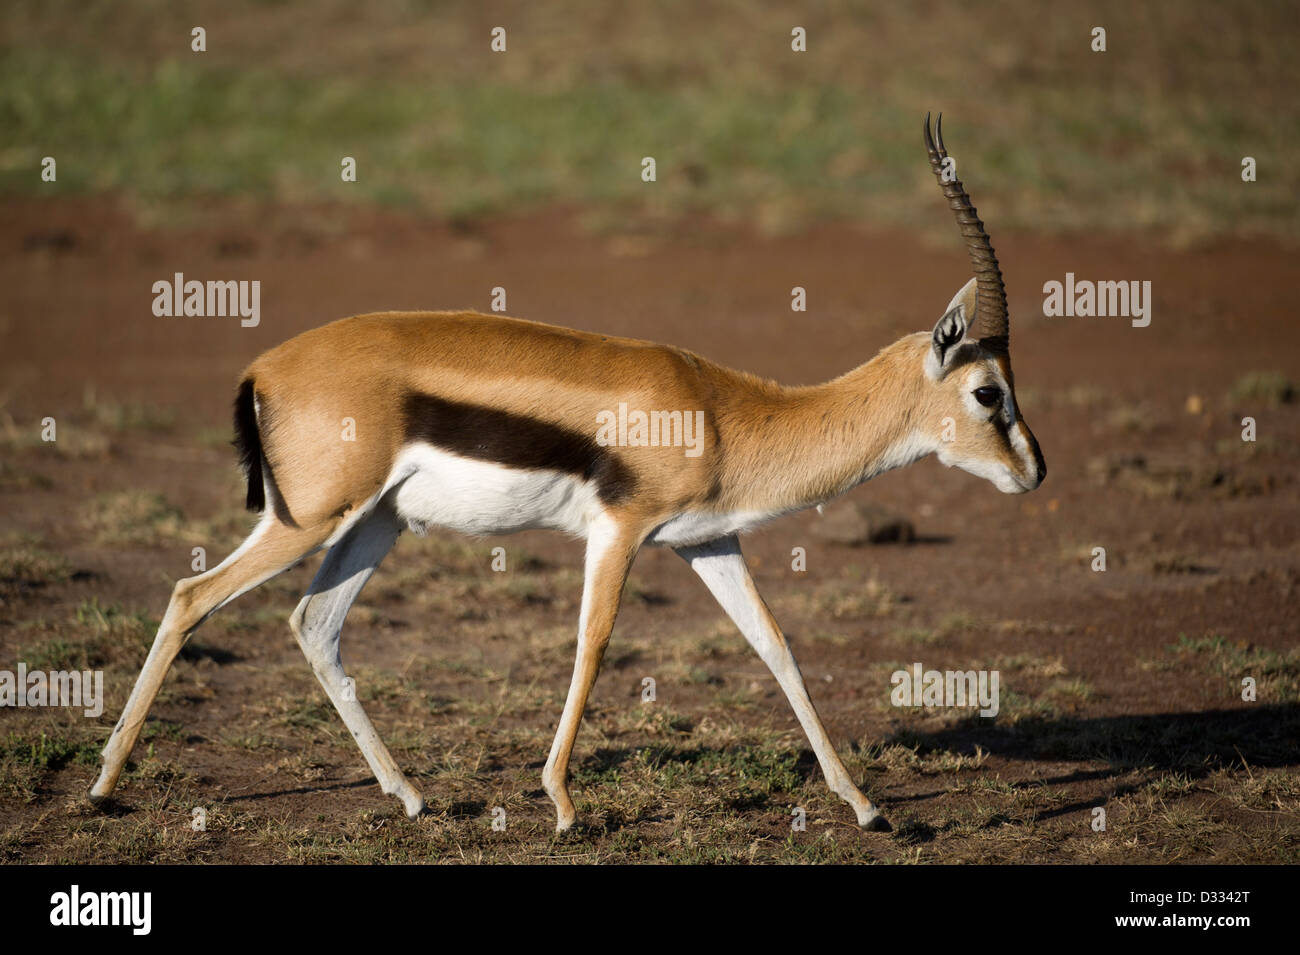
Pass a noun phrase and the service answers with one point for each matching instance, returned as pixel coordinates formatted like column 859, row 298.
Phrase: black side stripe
column 516, row 441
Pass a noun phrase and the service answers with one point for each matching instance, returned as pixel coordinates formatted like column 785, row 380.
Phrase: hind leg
column 271, row 548
column 318, row 625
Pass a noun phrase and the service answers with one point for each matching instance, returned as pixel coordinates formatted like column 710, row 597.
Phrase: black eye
column 988, row 396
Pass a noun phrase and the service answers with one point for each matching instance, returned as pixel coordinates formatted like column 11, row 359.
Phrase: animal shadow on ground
column 1194, row 745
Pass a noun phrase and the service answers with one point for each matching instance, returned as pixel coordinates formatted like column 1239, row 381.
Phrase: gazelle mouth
column 1028, row 484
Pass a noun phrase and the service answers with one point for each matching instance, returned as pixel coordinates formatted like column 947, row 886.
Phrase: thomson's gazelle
column 488, row 425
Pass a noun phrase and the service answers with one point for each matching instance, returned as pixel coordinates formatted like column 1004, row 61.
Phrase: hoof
column 876, row 823
column 412, row 802
column 104, row 804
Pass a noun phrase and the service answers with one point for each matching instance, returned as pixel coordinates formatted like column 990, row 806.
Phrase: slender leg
column 722, row 568
column 270, row 549
column 610, row 551
column 318, row 625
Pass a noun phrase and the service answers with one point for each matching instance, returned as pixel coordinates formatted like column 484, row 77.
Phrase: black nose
column 1038, row 459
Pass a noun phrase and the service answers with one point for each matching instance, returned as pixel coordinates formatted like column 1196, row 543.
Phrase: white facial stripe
column 1021, row 446
column 985, row 376
column 988, row 375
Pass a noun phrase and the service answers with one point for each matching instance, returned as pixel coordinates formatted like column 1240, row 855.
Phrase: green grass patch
column 1049, row 135
column 1276, row 672
column 131, row 517
column 1271, row 388
column 25, row 760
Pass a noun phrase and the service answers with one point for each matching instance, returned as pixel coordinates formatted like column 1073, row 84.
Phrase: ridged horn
column 991, row 323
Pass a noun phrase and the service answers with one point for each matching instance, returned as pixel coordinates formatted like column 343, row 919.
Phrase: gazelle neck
column 789, row 448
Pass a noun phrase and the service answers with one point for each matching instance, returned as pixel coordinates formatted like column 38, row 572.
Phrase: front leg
column 610, row 550
column 722, row 568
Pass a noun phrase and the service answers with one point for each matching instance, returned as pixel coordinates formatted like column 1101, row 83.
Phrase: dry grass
column 1267, row 388
column 464, row 671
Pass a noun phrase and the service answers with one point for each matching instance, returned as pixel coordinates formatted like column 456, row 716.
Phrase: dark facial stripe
column 516, row 441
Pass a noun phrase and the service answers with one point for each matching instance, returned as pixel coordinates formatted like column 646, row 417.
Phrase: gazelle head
column 972, row 394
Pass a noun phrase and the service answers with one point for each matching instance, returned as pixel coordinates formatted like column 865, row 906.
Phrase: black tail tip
column 248, row 445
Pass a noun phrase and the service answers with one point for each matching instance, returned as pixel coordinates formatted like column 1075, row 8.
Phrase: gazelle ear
column 966, row 296
column 949, row 332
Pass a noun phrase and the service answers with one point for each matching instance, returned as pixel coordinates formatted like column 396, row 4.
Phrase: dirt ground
column 1121, row 689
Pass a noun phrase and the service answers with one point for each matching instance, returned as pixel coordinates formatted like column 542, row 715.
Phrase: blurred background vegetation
column 1049, row 136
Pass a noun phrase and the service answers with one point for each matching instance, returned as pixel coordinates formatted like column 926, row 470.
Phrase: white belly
column 437, row 489
column 696, row 528
column 432, row 488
